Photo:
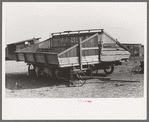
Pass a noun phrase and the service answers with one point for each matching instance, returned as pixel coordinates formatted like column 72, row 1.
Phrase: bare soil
column 33, row 87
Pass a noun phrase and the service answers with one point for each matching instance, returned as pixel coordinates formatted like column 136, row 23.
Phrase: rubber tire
column 109, row 72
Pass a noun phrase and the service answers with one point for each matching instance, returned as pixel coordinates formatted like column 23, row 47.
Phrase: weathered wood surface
column 64, row 50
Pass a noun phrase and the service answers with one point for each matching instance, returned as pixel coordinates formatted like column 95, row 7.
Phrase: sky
column 126, row 22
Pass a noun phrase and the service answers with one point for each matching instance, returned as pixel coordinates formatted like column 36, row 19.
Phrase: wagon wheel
column 77, row 80
column 109, row 69
column 31, row 70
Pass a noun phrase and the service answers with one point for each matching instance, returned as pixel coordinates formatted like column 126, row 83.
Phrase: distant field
column 94, row 88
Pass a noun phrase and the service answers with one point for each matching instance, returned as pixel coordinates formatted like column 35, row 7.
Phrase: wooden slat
column 77, row 44
column 114, row 57
column 25, row 57
column 117, row 42
column 16, row 57
column 90, row 48
column 89, row 30
column 113, row 49
column 115, row 53
column 46, row 60
column 67, row 49
column 34, row 57
column 89, row 38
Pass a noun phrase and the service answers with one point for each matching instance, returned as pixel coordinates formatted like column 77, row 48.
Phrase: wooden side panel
column 91, row 43
column 52, row 59
column 29, row 57
column 90, row 52
column 90, row 47
column 57, row 49
column 39, row 58
column 67, row 40
column 72, row 53
column 109, row 58
column 111, row 51
column 10, row 51
column 20, row 56
column 31, row 48
column 45, row 44
column 20, row 46
column 74, row 61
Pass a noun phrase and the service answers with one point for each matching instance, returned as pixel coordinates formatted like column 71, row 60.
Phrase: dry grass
column 46, row 88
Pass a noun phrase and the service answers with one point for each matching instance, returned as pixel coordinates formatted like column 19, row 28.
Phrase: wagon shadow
column 27, row 82
column 100, row 74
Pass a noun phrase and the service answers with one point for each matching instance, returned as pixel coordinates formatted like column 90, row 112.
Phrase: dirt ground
column 32, row 87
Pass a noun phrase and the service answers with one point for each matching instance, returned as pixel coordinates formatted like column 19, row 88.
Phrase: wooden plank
column 46, row 60
column 117, row 42
column 67, row 49
column 90, row 52
column 77, row 44
column 20, row 56
column 16, row 57
column 29, row 57
column 75, row 60
column 25, row 57
column 112, row 49
column 114, row 58
column 108, row 53
column 89, row 38
column 34, row 57
column 78, row 31
column 52, row 59
column 73, row 52
column 39, row 58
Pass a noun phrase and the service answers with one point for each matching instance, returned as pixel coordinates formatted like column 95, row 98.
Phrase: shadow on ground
column 28, row 82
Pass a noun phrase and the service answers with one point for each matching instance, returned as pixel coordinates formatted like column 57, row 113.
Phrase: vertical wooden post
column 16, row 57
column 45, row 58
column 25, row 57
column 80, row 53
column 34, row 58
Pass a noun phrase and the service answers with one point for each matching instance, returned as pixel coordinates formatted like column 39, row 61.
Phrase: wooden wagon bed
column 66, row 49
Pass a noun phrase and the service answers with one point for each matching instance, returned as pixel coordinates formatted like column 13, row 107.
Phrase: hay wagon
column 71, row 54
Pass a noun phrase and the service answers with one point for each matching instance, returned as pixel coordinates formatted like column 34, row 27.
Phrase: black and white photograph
column 74, row 60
